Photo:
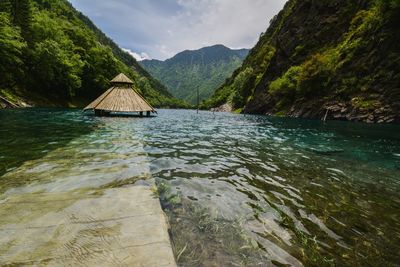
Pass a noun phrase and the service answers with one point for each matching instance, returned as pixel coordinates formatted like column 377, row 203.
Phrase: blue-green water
column 238, row 190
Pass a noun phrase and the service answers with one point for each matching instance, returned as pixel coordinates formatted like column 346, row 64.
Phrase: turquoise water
column 238, row 190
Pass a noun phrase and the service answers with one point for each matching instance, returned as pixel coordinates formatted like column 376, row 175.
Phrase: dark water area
column 27, row 134
column 238, row 190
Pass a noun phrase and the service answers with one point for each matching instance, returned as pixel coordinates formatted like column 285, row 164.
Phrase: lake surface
column 238, row 190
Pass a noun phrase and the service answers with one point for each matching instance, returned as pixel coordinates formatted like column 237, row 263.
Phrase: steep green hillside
column 339, row 59
column 206, row 69
column 52, row 55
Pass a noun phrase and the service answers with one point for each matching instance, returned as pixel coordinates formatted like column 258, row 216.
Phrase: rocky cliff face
column 336, row 59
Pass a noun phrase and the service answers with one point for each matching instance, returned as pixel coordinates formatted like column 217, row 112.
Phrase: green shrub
column 388, row 4
column 314, row 74
column 287, row 84
column 365, row 104
column 240, row 87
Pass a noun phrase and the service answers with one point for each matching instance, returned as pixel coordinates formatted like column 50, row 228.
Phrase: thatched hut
column 120, row 98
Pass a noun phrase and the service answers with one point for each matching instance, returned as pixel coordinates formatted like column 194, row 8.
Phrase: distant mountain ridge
column 205, row 68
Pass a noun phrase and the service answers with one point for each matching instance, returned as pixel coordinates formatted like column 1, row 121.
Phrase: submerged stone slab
column 109, row 227
column 81, row 204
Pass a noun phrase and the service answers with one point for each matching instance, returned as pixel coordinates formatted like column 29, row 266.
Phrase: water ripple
column 301, row 192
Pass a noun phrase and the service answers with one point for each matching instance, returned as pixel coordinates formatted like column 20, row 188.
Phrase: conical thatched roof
column 121, row 98
column 121, row 78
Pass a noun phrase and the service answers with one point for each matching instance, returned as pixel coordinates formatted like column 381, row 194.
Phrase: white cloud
column 163, row 28
column 235, row 23
column 139, row 57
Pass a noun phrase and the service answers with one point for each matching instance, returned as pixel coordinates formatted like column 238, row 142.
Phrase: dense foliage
column 52, row 54
column 204, row 69
column 317, row 56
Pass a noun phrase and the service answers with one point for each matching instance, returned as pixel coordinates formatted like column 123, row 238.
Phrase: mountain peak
column 207, row 54
column 205, row 68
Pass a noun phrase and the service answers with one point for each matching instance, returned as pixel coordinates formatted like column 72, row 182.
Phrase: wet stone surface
column 90, row 202
column 124, row 227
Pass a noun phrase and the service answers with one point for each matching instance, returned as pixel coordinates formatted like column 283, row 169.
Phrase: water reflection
column 31, row 133
column 239, row 190
column 307, row 192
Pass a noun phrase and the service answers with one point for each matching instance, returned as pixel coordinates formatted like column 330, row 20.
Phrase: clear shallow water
column 238, row 190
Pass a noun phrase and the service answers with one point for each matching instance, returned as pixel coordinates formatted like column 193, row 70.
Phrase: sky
column 159, row 29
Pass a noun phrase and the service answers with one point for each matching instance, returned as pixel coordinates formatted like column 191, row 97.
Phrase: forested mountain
column 339, row 59
column 205, row 69
column 52, row 55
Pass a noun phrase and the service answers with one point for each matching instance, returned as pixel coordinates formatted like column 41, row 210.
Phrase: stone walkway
column 90, row 202
column 113, row 227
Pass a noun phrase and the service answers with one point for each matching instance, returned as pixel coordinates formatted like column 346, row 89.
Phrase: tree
column 11, row 47
column 5, row 6
column 56, row 70
column 240, row 87
column 21, row 12
column 388, row 4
